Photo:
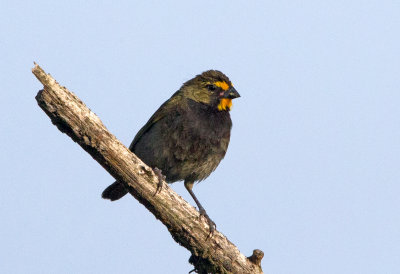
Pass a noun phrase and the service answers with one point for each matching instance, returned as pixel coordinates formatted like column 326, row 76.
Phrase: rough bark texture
column 214, row 254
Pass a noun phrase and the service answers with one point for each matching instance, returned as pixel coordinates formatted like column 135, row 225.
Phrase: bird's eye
column 211, row 87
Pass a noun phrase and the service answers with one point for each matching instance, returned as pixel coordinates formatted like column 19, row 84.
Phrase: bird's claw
column 160, row 177
column 210, row 222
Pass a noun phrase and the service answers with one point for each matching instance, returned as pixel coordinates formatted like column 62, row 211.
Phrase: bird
column 188, row 136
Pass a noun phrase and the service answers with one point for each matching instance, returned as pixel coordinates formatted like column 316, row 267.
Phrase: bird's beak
column 231, row 93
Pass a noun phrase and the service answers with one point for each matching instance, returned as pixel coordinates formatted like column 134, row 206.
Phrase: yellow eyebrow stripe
column 222, row 84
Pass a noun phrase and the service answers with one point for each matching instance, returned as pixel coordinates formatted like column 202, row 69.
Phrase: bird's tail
column 114, row 191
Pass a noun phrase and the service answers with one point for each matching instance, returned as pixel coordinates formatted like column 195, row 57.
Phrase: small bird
column 187, row 137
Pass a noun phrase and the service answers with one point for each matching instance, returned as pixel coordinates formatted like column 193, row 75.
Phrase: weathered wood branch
column 214, row 254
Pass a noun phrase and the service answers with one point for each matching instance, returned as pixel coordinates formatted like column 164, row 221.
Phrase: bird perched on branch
column 187, row 137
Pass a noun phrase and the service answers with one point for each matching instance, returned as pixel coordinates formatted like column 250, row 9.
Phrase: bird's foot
column 160, row 177
column 210, row 222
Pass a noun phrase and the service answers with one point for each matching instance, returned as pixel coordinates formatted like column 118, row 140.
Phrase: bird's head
column 212, row 88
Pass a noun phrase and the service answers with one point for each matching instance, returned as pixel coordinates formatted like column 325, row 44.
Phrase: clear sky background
column 312, row 173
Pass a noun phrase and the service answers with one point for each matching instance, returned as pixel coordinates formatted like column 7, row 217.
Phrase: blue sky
column 312, row 173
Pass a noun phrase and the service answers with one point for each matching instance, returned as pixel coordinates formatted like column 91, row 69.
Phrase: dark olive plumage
column 187, row 137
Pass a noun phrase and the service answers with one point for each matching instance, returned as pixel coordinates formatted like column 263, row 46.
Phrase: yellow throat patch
column 225, row 104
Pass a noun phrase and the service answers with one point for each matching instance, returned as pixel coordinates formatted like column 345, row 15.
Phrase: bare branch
column 214, row 254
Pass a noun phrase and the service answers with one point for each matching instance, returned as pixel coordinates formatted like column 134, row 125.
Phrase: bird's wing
column 162, row 111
